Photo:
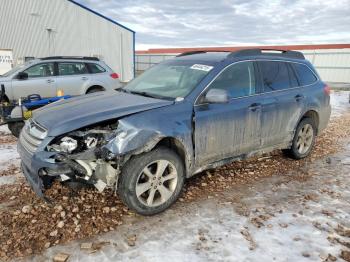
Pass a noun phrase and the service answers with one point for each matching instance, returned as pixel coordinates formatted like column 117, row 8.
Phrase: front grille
column 31, row 136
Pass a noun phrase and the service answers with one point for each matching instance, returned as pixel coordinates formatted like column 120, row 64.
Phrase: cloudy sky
column 193, row 23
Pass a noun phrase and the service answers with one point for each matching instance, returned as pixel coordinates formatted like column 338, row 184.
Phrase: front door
column 40, row 81
column 233, row 128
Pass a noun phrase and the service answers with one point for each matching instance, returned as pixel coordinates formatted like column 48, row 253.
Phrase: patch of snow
column 8, row 180
column 4, row 129
column 8, row 156
column 340, row 102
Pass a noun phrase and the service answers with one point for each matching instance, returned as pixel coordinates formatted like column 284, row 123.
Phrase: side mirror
column 216, row 96
column 22, row 76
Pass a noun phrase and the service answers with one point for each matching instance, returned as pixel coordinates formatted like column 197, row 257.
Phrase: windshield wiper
column 142, row 93
column 123, row 90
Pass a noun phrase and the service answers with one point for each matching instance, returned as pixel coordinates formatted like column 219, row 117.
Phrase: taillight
column 114, row 75
column 327, row 89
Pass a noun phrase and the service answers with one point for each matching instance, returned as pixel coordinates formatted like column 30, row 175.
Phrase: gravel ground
column 255, row 210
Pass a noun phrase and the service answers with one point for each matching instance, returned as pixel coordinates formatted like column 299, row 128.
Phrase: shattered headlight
column 66, row 144
column 69, row 144
column 91, row 142
column 85, row 139
column 76, row 142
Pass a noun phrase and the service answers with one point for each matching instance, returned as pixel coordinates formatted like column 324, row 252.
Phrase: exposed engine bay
column 87, row 159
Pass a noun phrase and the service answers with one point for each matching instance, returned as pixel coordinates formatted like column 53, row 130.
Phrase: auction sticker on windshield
column 205, row 68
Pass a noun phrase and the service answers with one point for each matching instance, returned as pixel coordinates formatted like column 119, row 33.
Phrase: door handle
column 50, row 81
column 299, row 97
column 255, row 106
column 84, row 78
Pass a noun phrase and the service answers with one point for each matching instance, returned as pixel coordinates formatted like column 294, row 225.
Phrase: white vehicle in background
column 46, row 76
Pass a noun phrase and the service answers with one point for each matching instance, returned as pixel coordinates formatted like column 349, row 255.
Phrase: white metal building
column 332, row 61
column 39, row 28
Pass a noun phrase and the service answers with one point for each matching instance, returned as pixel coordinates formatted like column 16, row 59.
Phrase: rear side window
column 238, row 80
column 68, row 68
column 95, row 68
column 305, row 75
column 275, row 75
column 292, row 76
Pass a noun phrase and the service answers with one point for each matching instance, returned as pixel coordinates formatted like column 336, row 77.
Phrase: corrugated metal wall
column 145, row 61
column 38, row 28
column 333, row 65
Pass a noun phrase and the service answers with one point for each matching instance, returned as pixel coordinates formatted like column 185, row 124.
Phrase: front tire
column 304, row 139
column 152, row 182
column 15, row 127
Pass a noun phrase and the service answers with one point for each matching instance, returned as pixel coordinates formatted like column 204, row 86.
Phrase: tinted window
column 238, row 80
column 292, row 76
column 306, row 77
column 275, row 75
column 40, row 70
column 71, row 69
column 95, row 68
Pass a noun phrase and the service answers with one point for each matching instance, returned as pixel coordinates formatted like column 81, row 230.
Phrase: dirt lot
column 266, row 208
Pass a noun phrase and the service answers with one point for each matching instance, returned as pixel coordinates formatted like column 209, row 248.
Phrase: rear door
column 102, row 77
column 40, row 81
column 233, row 128
column 73, row 77
column 281, row 86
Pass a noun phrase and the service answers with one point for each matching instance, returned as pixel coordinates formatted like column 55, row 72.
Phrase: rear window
column 305, row 75
column 275, row 75
column 95, row 68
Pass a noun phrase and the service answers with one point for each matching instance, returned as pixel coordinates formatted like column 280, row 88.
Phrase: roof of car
column 85, row 58
column 210, row 56
column 217, row 56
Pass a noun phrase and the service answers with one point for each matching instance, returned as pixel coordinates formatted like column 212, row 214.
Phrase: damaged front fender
column 130, row 139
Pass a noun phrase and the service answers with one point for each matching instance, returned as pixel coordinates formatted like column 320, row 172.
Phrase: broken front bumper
column 33, row 164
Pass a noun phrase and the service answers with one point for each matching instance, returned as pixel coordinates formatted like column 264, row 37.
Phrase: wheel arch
column 97, row 87
column 313, row 114
column 175, row 145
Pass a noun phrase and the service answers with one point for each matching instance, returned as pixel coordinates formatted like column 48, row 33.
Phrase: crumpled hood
column 74, row 113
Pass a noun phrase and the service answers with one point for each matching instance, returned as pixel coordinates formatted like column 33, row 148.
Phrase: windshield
column 13, row 70
column 168, row 80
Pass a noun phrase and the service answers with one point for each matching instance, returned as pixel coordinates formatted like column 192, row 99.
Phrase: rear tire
column 152, row 182
column 16, row 128
column 304, row 139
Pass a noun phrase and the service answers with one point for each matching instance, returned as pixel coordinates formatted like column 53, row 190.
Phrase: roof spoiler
column 269, row 52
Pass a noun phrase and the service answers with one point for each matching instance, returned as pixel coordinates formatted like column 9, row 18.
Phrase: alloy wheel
column 305, row 138
column 156, row 183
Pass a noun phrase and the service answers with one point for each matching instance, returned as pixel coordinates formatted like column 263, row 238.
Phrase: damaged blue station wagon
column 198, row 111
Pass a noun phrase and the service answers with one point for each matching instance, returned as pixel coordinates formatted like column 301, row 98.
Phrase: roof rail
column 269, row 52
column 199, row 52
column 71, row 58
